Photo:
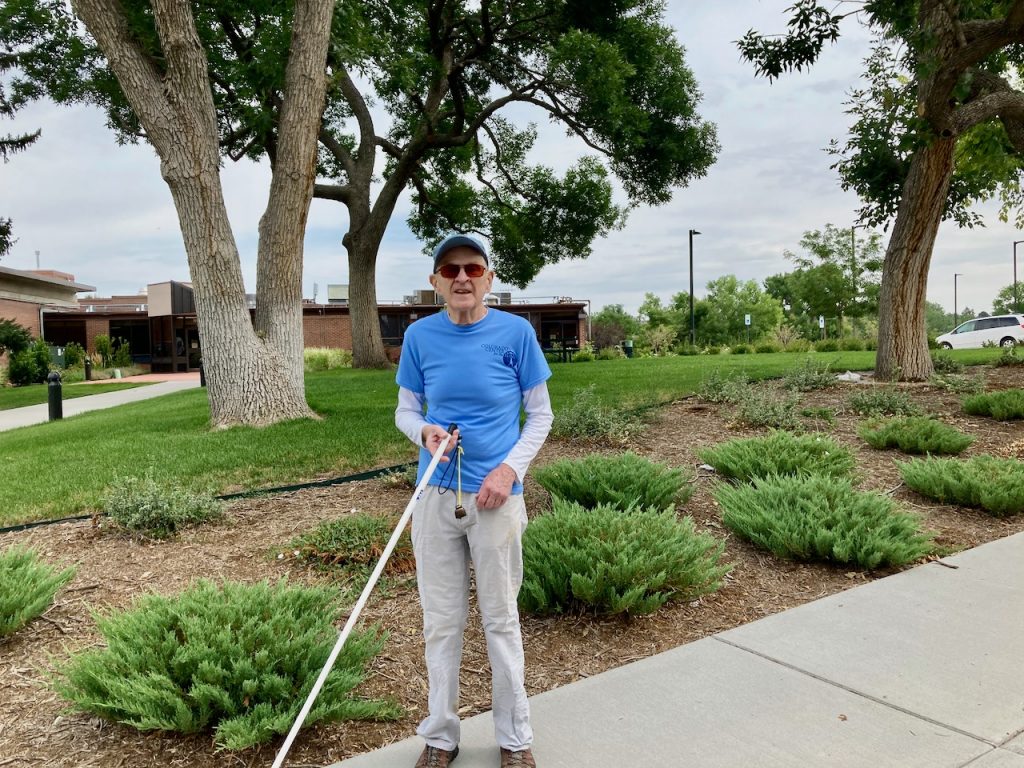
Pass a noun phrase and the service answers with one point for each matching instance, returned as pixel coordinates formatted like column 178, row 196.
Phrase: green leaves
column 915, row 434
column 810, row 517
column 235, row 659
column 27, row 587
column 613, row 561
column 778, row 453
column 992, row 484
column 626, row 480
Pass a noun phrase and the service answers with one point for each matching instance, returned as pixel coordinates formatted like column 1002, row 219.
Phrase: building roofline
column 25, row 275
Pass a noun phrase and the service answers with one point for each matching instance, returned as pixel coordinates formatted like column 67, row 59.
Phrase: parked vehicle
column 1004, row 330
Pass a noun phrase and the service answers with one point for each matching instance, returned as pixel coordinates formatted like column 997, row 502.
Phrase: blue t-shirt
column 474, row 376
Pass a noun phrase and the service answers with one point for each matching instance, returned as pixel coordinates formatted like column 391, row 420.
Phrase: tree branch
column 367, row 137
column 342, row 194
column 996, row 99
column 338, row 151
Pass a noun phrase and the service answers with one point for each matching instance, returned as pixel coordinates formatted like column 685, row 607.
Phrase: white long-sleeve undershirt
column 536, row 402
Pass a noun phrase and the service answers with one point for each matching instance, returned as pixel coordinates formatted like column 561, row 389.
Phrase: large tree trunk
column 367, row 344
column 283, row 225
column 902, row 336
column 250, row 381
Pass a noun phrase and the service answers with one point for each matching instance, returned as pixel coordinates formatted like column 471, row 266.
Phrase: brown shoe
column 435, row 757
column 521, row 759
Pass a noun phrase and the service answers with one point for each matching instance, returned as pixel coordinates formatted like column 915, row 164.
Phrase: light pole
column 693, row 326
column 956, row 322
column 1016, row 299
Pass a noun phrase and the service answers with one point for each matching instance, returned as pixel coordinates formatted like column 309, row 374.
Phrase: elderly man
column 473, row 366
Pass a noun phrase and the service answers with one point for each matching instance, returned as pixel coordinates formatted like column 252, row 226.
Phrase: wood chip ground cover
column 35, row 729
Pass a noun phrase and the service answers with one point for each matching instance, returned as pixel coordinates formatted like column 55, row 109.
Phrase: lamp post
column 693, row 326
column 1016, row 298
column 956, row 322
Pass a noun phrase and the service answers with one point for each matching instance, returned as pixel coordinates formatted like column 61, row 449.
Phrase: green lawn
column 34, row 394
column 61, row 468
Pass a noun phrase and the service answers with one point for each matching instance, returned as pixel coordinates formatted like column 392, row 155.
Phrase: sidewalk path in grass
column 164, row 384
column 923, row 669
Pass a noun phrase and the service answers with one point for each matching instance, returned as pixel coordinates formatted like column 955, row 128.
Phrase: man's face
column 463, row 293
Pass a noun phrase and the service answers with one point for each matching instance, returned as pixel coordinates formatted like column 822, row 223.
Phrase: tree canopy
column 940, row 126
column 444, row 73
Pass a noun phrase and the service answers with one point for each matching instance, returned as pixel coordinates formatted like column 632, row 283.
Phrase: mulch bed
column 36, row 729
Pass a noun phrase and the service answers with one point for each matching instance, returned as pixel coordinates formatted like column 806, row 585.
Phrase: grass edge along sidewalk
column 38, row 394
column 62, row 468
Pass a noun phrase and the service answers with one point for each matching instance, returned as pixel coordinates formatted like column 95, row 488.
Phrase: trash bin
column 627, row 347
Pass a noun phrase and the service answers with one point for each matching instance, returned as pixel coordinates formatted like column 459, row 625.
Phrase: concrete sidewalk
column 14, row 418
column 921, row 669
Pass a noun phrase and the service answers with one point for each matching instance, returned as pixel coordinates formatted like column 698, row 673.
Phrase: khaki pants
column 444, row 547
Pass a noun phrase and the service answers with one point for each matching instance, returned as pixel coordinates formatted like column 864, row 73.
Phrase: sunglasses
column 451, row 271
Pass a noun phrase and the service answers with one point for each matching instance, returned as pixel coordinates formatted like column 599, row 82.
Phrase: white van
column 1004, row 330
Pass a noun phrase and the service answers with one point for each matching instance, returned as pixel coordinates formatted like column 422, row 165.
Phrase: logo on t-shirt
column 508, row 357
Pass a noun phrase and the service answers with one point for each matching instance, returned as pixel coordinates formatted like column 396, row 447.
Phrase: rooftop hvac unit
column 410, row 299
column 426, row 297
column 337, row 294
column 504, row 297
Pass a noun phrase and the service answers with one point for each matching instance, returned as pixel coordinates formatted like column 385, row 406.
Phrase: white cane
column 354, row 616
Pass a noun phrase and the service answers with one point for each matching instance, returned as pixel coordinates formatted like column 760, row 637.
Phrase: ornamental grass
column 915, row 434
column 234, row 659
column 1005, row 405
column 148, row 509
column 809, row 517
column 778, row 453
column 611, row 561
column 27, row 587
column 622, row 481
column 986, row 482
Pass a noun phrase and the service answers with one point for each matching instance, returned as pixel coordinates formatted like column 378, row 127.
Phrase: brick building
column 24, row 294
column 161, row 327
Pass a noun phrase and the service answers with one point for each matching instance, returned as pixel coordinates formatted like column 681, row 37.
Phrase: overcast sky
column 101, row 211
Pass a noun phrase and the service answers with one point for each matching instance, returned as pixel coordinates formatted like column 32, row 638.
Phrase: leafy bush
column 611, row 561
column 14, row 338
column 104, row 348
column 883, row 401
column 585, row 354
column 624, row 481
column 815, row 517
column 610, row 353
column 587, row 418
column 741, row 349
column 40, row 353
column 871, row 343
column 915, row 434
column 141, row 505
column 74, row 355
column 809, row 375
column 958, row 383
column 995, row 485
column 326, row 359
column 943, row 363
column 1005, row 405
column 827, row 345
column 235, row 659
column 122, row 355
column 851, row 344
column 778, row 453
column 22, row 369
column 1009, row 356
column 27, row 587
column 712, row 350
column 765, row 409
column 354, row 543
column 766, row 347
column 717, row 387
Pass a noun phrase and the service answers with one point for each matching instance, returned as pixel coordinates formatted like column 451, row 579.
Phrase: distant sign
column 821, row 321
column 746, row 319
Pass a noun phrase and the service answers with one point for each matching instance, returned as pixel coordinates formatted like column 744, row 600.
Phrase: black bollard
column 53, row 389
column 88, row 368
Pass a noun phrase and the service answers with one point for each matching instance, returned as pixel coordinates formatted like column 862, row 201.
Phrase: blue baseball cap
column 456, row 240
